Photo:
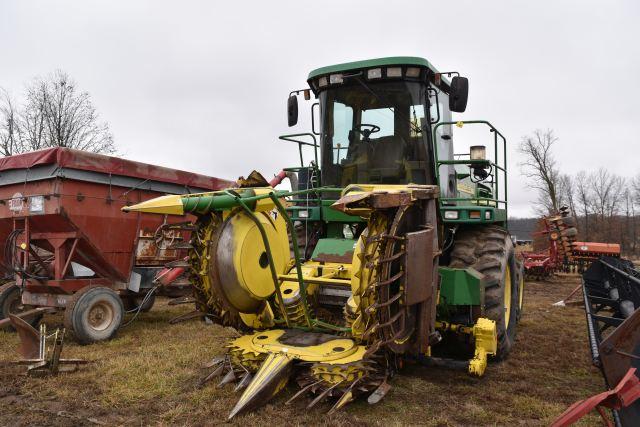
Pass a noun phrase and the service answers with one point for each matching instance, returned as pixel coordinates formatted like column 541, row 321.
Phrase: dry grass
column 148, row 375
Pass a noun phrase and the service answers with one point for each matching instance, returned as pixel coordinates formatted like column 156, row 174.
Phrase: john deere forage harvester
column 388, row 248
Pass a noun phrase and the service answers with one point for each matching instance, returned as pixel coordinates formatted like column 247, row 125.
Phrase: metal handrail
column 291, row 138
column 494, row 163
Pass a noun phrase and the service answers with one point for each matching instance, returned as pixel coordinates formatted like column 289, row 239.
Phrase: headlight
column 335, row 79
column 413, row 72
column 478, row 152
column 374, row 73
column 394, row 72
column 451, row 214
column 347, row 232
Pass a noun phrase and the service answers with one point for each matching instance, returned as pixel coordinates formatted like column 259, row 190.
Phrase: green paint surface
column 461, row 286
column 332, row 215
column 337, row 247
column 310, row 213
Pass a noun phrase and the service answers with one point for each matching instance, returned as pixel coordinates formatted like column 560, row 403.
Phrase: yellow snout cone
column 171, row 205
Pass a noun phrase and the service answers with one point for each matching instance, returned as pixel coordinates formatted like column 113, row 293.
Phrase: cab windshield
column 375, row 133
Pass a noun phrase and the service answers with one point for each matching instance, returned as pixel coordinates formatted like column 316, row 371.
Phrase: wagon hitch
column 40, row 359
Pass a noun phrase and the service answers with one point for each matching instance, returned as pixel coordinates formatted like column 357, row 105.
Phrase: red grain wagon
column 65, row 243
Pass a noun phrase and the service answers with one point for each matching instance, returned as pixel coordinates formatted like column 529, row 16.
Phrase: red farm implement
column 564, row 253
column 67, row 244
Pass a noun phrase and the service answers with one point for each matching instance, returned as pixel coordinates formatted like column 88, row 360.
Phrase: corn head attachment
column 337, row 321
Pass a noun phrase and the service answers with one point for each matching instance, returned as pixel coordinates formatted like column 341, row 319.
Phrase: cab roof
column 369, row 63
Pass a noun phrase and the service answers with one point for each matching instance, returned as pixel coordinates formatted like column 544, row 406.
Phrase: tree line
column 53, row 112
column 605, row 204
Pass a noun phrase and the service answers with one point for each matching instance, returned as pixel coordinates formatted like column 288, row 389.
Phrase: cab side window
column 342, row 124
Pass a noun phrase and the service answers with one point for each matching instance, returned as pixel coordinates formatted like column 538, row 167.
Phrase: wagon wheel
column 93, row 314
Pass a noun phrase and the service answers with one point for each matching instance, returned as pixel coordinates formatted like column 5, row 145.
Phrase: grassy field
column 148, row 375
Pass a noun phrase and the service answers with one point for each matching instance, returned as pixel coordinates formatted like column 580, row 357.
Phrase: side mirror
column 292, row 110
column 458, row 94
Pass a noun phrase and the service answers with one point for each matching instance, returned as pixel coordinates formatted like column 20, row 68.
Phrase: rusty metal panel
column 419, row 266
column 427, row 311
column 45, row 300
column 157, row 252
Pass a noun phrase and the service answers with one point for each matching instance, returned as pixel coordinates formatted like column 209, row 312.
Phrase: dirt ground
column 148, row 375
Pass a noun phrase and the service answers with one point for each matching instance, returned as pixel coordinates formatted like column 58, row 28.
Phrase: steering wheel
column 366, row 130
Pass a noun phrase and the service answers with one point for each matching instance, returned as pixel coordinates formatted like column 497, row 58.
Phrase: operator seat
column 387, row 160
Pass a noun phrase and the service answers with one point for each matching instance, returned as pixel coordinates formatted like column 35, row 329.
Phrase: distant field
column 148, row 375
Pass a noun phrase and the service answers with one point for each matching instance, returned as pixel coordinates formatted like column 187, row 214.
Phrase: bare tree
column 634, row 200
column 618, row 195
column 634, row 221
column 33, row 118
column 55, row 114
column 566, row 193
column 628, row 232
column 58, row 115
column 9, row 132
column 583, row 198
column 608, row 192
column 635, row 188
column 605, row 206
column 540, row 167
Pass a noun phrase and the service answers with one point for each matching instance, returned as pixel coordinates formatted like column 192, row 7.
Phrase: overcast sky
column 202, row 85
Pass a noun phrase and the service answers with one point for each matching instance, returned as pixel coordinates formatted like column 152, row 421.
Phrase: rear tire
column 489, row 250
column 94, row 314
column 11, row 303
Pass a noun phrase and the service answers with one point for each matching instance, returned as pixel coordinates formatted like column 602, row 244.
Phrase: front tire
column 94, row 314
column 489, row 250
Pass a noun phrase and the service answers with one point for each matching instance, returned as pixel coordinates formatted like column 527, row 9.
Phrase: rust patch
column 345, row 258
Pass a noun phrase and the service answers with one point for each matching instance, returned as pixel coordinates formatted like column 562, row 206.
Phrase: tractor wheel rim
column 507, row 297
column 520, row 292
column 101, row 316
